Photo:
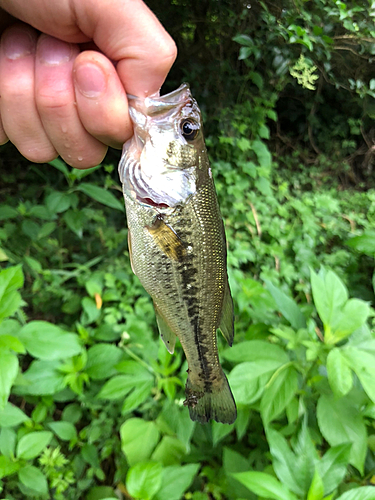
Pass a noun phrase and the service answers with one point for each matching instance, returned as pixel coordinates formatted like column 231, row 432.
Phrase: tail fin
column 217, row 404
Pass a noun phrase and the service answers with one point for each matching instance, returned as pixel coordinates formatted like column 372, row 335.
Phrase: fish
column 177, row 241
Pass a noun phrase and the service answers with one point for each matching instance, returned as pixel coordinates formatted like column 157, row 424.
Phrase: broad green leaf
column 244, row 40
column 316, row 490
column 235, row 462
column 352, row 316
column 170, row 451
column 90, row 454
column 361, row 493
column 8, row 212
column 66, row 431
column 42, row 378
column 101, row 195
column 137, row 397
column 278, row 393
column 138, row 439
column 363, row 364
column 8, row 374
column 248, row 380
column 34, row 479
column 10, row 280
column 8, row 466
column 75, row 220
column 176, row 479
column 8, row 439
column 365, row 243
column 287, row 306
column 47, row 341
column 255, row 350
column 117, row 387
column 11, row 343
column 90, row 311
column 284, row 462
column 332, row 467
column 340, row 422
column 264, row 485
column 143, row 480
column 339, row 374
column 11, row 416
column 57, row 201
column 101, row 360
column 31, row 445
column 263, row 153
column 220, row 431
column 329, row 294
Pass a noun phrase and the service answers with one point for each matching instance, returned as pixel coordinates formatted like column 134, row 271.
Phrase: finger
column 3, row 137
column 99, row 93
column 55, row 100
column 19, row 115
column 126, row 31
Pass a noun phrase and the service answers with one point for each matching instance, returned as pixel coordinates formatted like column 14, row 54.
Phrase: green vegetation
column 90, row 399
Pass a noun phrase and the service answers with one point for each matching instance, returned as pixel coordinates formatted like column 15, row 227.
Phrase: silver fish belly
column 177, row 242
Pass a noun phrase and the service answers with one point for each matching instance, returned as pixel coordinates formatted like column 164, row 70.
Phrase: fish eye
column 189, row 129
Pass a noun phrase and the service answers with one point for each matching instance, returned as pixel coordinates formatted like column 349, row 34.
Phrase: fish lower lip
column 149, row 201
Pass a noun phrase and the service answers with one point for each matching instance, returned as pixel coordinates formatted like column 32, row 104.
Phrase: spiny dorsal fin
column 166, row 239
column 227, row 320
column 169, row 338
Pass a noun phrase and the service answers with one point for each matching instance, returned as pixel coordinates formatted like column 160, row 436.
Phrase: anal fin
column 168, row 337
column 227, row 319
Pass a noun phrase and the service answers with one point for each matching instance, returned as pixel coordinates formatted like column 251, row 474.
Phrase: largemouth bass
column 177, row 242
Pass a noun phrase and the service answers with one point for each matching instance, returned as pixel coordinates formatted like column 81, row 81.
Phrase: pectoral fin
column 169, row 338
column 130, row 251
column 167, row 240
column 227, row 321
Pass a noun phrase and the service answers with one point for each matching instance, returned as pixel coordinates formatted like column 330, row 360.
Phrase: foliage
column 90, row 399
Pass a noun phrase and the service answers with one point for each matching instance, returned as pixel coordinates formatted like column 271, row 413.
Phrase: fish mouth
column 156, row 104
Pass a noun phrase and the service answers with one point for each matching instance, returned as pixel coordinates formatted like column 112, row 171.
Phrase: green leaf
column 75, row 220
column 365, row 243
column 11, row 416
column 134, row 376
column 47, row 341
column 284, row 462
column 8, row 466
column 138, row 439
column 329, row 294
column 339, row 374
column 362, row 363
column 8, row 439
column 248, row 379
column 66, row 431
column 287, row 306
column 361, row 493
column 101, row 360
column 101, row 195
column 170, row 451
column 58, row 202
column 278, row 393
column 42, row 378
column 340, row 422
column 263, row 153
column 33, row 478
column 10, row 280
column 31, row 445
column 143, row 480
column 90, row 311
column 220, row 431
column 244, row 40
column 316, row 490
column 11, row 343
column 60, row 165
column 8, row 374
column 264, row 485
column 332, row 467
column 176, row 479
column 137, row 397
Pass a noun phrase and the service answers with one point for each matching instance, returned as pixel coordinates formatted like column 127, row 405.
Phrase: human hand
column 56, row 98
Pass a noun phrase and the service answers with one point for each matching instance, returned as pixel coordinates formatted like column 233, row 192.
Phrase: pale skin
column 60, row 97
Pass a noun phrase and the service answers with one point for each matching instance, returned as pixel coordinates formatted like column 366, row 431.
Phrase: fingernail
column 18, row 43
column 90, row 80
column 53, row 52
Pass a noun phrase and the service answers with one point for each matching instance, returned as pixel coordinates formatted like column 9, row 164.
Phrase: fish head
column 165, row 161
